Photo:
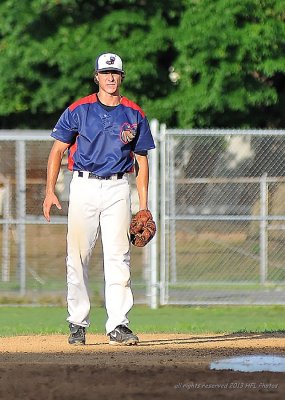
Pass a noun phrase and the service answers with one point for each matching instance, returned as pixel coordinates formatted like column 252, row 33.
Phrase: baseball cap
column 109, row 62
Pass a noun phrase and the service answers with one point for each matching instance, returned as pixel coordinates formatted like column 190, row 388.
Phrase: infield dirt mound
column 162, row 366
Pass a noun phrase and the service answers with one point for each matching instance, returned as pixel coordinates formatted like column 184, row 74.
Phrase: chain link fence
column 217, row 197
column 223, row 217
column 32, row 251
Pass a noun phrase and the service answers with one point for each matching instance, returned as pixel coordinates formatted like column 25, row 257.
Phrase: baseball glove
column 142, row 228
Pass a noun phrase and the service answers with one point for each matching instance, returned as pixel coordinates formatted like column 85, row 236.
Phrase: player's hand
column 49, row 201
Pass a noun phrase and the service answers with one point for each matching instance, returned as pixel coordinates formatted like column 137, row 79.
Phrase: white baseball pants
column 94, row 203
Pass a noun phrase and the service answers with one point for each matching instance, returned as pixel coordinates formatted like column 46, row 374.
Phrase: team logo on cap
column 128, row 132
column 111, row 61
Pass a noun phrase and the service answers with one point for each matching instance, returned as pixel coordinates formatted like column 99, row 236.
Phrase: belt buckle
column 111, row 177
column 94, row 176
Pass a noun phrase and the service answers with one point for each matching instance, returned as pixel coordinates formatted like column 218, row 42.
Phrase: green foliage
column 231, row 63
column 48, row 48
column 226, row 58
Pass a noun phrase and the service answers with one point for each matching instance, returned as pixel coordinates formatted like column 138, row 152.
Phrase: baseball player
column 107, row 137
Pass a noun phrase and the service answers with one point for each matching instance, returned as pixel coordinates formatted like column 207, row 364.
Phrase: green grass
column 193, row 320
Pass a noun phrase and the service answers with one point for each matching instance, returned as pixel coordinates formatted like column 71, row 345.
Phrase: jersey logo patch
column 128, row 132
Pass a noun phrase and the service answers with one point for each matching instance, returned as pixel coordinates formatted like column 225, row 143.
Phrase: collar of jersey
column 107, row 108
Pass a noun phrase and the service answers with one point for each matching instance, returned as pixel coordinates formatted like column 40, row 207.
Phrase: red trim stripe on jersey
column 92, row 98
column 71, row 151
column 128, row 103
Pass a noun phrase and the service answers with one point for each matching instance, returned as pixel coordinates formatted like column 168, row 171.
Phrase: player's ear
column 95, row 78
column 123, row 76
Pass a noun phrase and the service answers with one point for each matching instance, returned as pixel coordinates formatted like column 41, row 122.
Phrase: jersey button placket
column 107, row 122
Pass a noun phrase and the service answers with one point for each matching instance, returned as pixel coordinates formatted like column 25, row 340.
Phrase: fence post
column 172, row 213
column 6, row 232
column 21, row 211
column 163, row 288
column 263, row 239
column 153, row 251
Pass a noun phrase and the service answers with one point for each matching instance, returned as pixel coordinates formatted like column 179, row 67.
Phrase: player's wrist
column 50, row 193
column 142, row 208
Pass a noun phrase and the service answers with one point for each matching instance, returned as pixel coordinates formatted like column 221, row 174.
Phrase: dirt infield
column 162, row 366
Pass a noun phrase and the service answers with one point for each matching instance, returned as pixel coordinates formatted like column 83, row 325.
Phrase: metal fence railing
column 222, row 217
column 32, row 251
column 217, row 197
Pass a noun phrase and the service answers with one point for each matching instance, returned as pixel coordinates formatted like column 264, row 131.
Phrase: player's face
column 109, row 81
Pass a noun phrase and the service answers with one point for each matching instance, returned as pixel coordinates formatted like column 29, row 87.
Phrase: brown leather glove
column 142, row 228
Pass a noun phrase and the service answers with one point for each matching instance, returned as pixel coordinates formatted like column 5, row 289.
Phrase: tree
column 47, row 51
column 189, row 63
column 230, row 64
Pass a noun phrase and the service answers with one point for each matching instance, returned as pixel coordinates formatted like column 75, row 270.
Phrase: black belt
column 94, row 176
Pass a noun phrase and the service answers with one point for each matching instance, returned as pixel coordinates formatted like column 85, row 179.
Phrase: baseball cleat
column 122, row 335
column 77, row 334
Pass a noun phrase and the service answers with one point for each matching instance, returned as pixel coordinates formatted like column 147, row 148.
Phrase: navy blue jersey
column 103, row 141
